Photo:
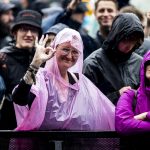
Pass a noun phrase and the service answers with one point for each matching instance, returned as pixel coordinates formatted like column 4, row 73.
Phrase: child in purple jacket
column 129, row 120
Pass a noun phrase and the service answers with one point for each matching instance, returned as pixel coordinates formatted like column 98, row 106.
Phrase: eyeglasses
column 28, row 28
column 74, row 53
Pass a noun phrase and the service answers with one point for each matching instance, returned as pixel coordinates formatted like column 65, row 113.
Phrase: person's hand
column 42, row 53
column 124, row 89
column 141, row 116
column 73, row 4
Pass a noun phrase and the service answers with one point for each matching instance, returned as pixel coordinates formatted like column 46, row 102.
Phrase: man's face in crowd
column 7, row 18
column 105, row 13
column 25, row 36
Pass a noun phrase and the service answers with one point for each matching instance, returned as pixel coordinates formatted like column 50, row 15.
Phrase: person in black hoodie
column 15, row 60
column 114, row 68
column 146, row 44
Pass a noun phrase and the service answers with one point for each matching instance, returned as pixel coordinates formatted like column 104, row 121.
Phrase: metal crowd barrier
column 72, row 140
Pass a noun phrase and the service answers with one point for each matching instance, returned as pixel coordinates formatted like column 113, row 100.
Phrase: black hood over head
column 123, row 26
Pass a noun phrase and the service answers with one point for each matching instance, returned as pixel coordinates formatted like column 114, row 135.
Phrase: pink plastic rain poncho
column 60, row 105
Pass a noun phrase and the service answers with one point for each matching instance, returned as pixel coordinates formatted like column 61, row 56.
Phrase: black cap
column 56, row 28
column 28, row 17
column 5, row 7
column 81, row 8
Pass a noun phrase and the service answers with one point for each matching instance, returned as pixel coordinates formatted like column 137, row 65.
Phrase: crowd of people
column 55, row 76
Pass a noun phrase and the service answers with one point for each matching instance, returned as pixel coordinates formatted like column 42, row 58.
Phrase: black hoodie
column 109, row 69
column 17, row 61
column 123, row 26
column 12, row 70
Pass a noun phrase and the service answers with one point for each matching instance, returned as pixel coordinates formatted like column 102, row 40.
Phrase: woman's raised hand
column 42, row 53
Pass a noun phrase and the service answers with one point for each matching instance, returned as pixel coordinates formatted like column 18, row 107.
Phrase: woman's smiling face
column 66, row 55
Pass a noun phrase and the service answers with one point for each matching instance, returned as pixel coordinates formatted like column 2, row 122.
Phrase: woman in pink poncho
column 62, row 98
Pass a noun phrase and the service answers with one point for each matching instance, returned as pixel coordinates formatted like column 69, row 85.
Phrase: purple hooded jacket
column 124, row 117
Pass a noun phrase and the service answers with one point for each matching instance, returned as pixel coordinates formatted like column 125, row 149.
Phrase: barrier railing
column 71, row 140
